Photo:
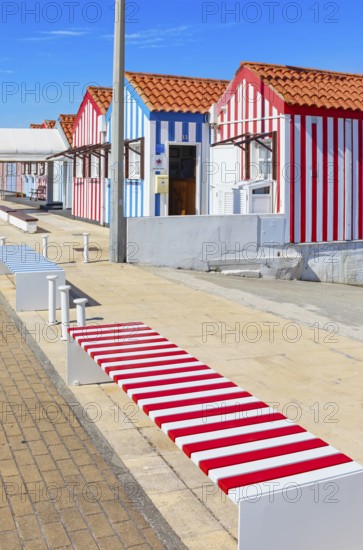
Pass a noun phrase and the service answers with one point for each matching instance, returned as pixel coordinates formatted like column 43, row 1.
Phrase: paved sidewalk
column 312, row 376
column 56, row 490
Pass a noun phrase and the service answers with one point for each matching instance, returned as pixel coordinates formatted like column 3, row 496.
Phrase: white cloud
column 158, row 37
column 54, row 35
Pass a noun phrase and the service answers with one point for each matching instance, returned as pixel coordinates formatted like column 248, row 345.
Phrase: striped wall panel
column 134, row 199
column 178, row 131
column 327, row 182
column 86, row 131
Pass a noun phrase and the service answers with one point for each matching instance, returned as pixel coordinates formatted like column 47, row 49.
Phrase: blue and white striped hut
column 167, row 133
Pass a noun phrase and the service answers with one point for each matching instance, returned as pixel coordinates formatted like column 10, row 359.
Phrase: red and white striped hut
column 289, row 140
column 89, row 130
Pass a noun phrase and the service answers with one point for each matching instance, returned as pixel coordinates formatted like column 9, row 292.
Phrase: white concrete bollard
column 52, row 299
column 64, row 291
column 81, row 311
column 45, row 246
column 2, row 241
column 86, row 247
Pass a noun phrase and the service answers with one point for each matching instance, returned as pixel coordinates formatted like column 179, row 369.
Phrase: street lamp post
column 118, row 238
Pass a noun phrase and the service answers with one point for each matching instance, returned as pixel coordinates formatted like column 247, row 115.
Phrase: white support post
column 2, row 241
column 85, row 247
column 45, row 246
column 81, row 311
column 64, row 292
column 52, row 299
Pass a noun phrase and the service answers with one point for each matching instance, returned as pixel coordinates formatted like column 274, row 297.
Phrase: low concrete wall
column 340, row 262
column 190, row 242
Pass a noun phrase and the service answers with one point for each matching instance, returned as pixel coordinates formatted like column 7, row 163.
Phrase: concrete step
column 247, row 273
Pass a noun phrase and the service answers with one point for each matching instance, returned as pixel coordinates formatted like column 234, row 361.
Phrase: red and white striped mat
column 234, row 438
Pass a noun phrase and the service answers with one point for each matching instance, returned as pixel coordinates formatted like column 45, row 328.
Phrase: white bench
column 30, row 270
column 4, row 213
column 23, row 221
column 293, row 489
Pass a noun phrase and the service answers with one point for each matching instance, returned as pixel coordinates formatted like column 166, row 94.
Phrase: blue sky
column 50, row 51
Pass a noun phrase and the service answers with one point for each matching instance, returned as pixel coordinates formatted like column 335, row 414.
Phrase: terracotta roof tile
column 305, row 87
column 177, row 93
column 36, row 126
column 67, row 121
column 49, row 124
column 102, row 97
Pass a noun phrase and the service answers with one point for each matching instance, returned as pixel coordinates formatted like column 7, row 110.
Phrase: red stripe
column 229, row 117
column 164, row 382
column 119, row 336
column 325, row 180
column 124, row 343
column 314, row 181
column 303, row 181
column 140, row 357
column 111, row 325
column 242, row 458
column 336, row 180
column 151, row 364
column 180, row 391
column 136, row 349
column 292, row 179
column 194, row 401
column 220, row 408
column 360, row 180
column 282, row 471
column 225, row 424
column 278, row 194
column 156, row 372
column 191, row 448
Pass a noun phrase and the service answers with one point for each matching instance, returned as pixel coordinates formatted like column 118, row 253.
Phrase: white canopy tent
column 21, row 145
column 29, row 145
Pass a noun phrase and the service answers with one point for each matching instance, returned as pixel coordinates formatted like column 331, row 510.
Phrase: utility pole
column 118, row 237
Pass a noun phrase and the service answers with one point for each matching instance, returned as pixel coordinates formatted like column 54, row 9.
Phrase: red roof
column 303, row 87
column 172, row 93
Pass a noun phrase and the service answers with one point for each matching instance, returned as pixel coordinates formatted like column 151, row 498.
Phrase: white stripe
column 199, row 408
column 355, row 179
column 179, row 385
column 253, row 446
column 341, row 124
column 85, row 330
column 308, row 201
column 210, row 436
column 267, row 463
column 307, row 478
column 297, row 193
column 146, row 379
column 155, row 369
column 194, row 395
column 192, row 132
column 259, row 111
column 101, row 355
column 164, row 131
column 131, row 345
column 348, row 180
column 178, row 131
column 221, row 416
column 118, row 340
column 147, row 360
column 330, row 177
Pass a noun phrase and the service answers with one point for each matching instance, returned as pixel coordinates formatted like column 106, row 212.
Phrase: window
column 134, row 159
column 264, row 159
column 261, row 190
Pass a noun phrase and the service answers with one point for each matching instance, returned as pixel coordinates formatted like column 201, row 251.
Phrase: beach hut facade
column 292, row 142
